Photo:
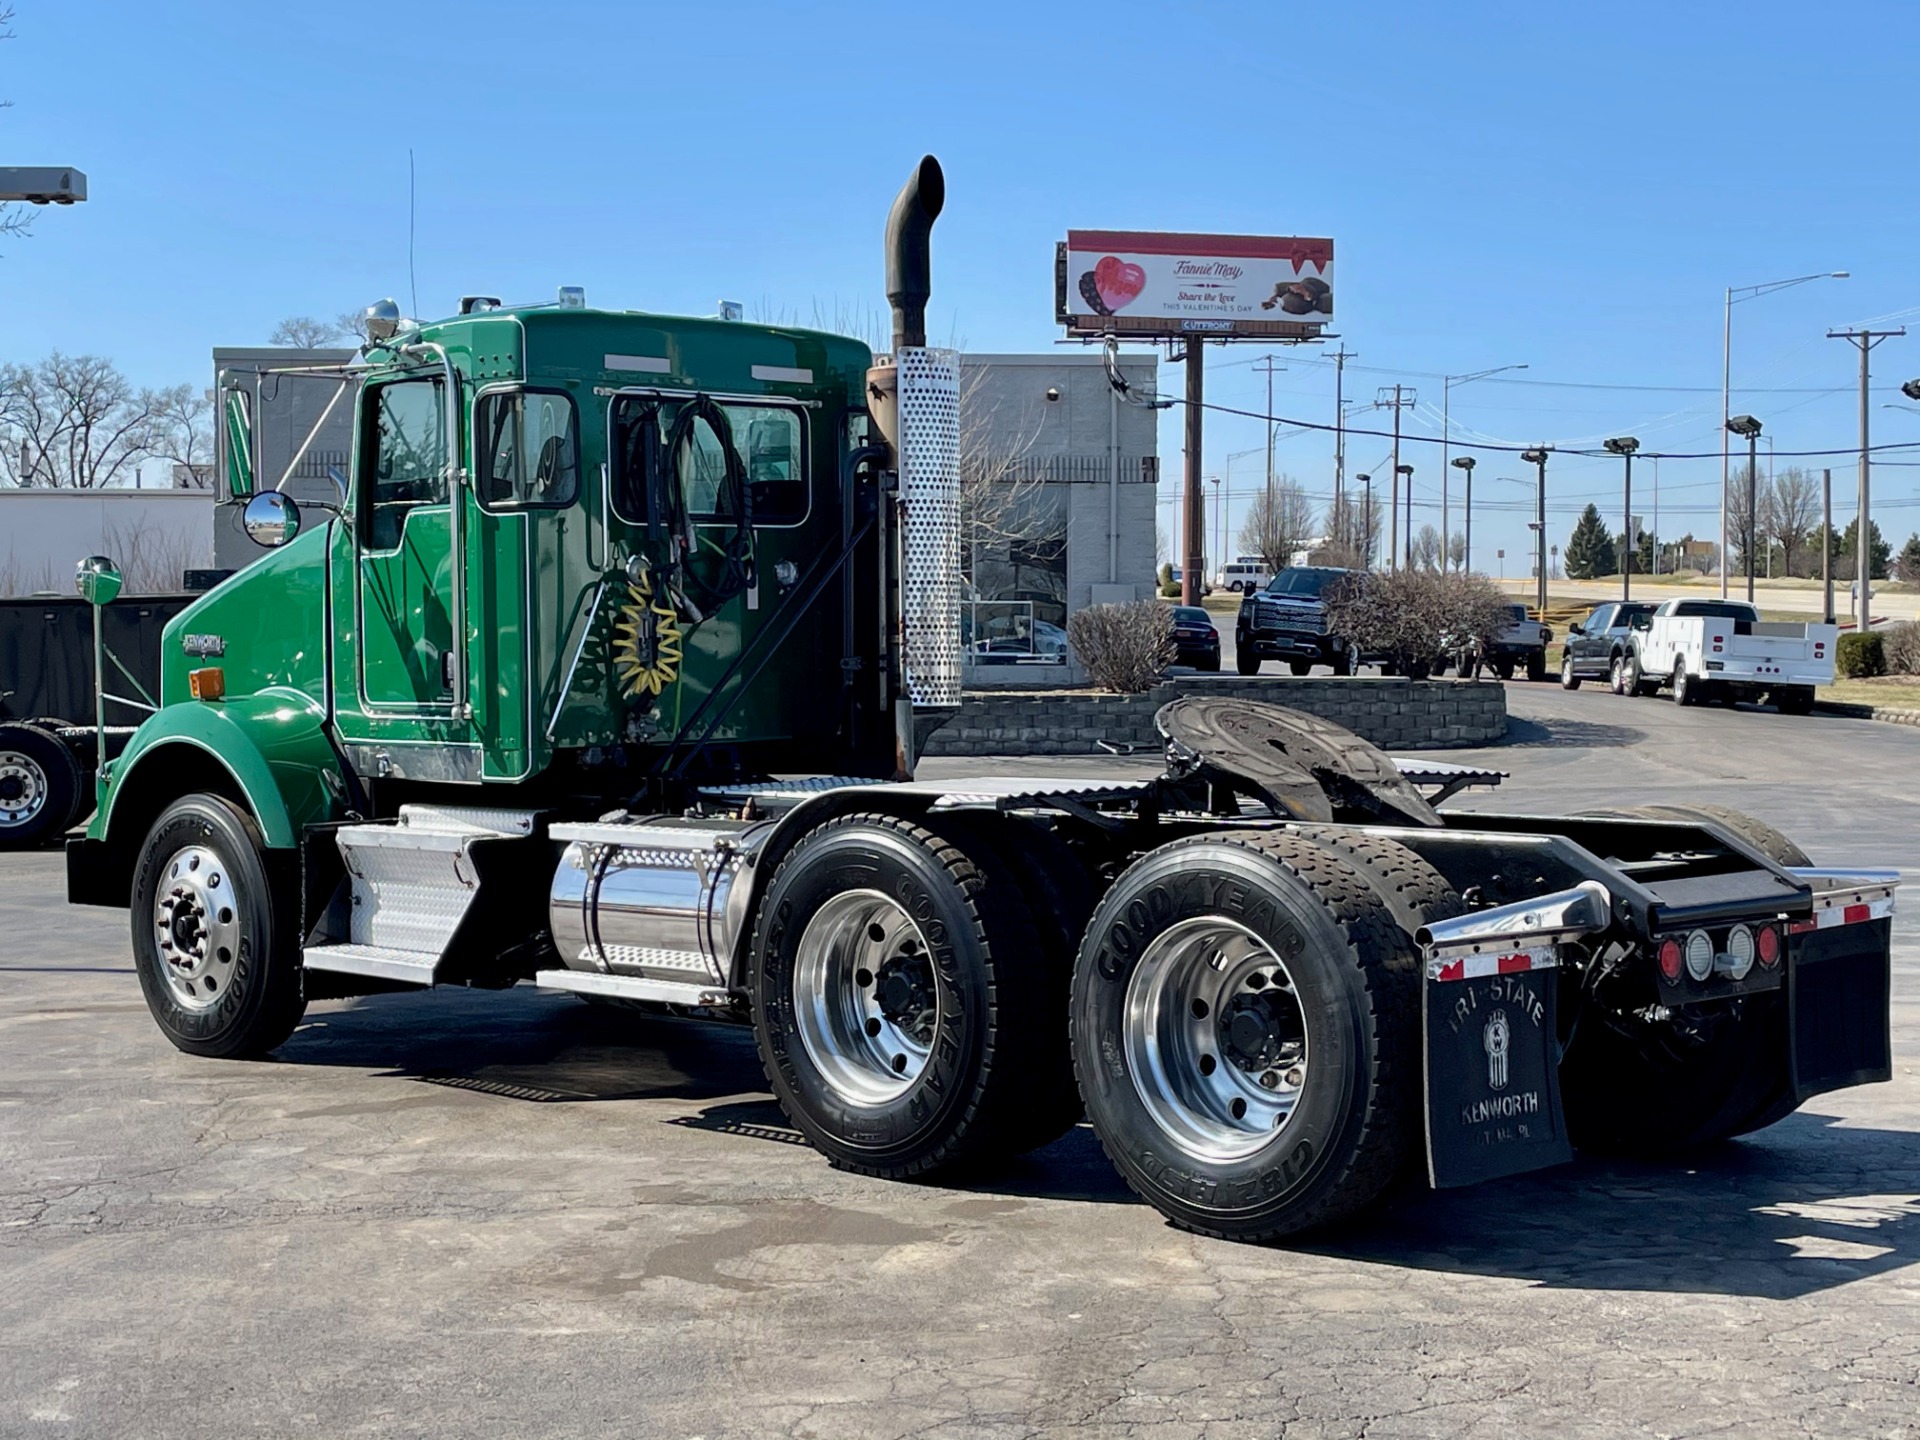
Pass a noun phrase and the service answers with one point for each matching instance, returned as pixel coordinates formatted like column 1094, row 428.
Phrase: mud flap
column 1839, row 1000
column 1493, row 1066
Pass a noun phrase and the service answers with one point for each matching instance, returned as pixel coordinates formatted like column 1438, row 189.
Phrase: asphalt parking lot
column 516, row 1215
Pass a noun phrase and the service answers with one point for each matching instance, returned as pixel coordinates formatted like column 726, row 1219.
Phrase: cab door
column 1591, row 648
column 406, row 566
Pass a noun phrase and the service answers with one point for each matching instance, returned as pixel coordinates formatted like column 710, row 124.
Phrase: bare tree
column 1426, row 548
column 1353, row 532
column 1792, row 510
column 1457, row 551
column 1010, row 522
column 354, row 323
column 183, row 432
column 73, row 422
column 14, row 219
column 1276, row 531
column 1737, row 521
column 306, row 332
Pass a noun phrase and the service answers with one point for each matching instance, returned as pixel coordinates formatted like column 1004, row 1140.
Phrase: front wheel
column 900, row 1001
column 1246, row 663
column 1300, row 667
column 1245, row 1031
column 215, row 940
column 1569, row 677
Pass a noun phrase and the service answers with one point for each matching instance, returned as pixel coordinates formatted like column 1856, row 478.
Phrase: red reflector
column 1801, row 927
column 1515, row 964
column 1856, row 915
column 1670, row 958
column 1456, row 971
column 1767, row 944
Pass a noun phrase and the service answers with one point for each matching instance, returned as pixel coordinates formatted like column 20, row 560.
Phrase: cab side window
column 1600, row 620
column 406, row 456
column 529, row 449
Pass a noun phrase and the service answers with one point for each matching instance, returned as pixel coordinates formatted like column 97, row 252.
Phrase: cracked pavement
column 516, row 1215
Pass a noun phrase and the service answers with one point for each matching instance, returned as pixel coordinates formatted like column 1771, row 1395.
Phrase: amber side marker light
column 208, row 684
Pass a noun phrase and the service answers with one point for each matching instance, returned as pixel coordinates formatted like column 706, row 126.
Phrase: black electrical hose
column 735, row 498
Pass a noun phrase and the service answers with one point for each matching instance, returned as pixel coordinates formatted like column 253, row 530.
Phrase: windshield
column 1302, row 582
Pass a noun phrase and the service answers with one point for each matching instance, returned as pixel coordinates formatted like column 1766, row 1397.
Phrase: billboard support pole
column 1190, row 581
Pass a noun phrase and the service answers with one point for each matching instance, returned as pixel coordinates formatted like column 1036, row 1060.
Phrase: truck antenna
column 413, row 286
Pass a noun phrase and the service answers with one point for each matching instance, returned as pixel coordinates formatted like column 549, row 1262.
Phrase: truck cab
column 561, row 530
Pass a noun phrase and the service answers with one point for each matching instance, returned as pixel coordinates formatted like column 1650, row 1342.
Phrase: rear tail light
column 1699, row 955
column 1766, row 944
column 1738, row 959
column 1671, row 960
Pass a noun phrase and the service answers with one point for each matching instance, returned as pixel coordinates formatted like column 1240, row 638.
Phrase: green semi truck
column 606, row 669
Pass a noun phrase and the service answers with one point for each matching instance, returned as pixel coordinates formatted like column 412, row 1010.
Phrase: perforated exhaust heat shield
column 1297, row 764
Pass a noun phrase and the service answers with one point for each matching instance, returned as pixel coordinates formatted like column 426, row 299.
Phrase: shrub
column 1169, row 588
column 1902, row 645
column 1861, row 656
column 1126, row 648
column 1413, row 617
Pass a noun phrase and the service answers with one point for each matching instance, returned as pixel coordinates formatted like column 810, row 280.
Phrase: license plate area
column 1493, row 1066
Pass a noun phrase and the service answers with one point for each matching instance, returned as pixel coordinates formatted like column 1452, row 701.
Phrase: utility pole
column 1194, row 516
column 1826, row 540
column 1340, row 358
column 1864, row 340
column 1403, row 396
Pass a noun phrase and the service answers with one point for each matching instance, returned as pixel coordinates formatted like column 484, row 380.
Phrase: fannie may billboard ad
column 1141, row 282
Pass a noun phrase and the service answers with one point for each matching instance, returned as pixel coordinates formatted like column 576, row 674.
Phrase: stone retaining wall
column 1394, row 714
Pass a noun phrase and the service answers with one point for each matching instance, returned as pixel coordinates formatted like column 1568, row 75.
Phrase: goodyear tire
column 40, row 786
column 1631, row 1088
column 1246, row 1035
column 900, row 1022
column 215, row 941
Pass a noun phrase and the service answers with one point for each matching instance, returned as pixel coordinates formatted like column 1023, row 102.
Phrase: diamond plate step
column 415, row 966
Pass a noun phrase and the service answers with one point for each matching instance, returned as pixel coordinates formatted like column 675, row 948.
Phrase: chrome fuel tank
column 655, row 898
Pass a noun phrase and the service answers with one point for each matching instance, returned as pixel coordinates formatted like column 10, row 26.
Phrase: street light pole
column 1745, row 292
column 1624, row 446
column 1749, row 427
column 1447, row 382
column 1365, row 546
column 1406, row 473
column 1863, row 525
column 1538, row 457
column 1466, row 463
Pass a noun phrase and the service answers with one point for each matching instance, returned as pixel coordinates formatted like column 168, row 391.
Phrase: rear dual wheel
column 41, row 785
column 1245, row 1022
column 908, row 990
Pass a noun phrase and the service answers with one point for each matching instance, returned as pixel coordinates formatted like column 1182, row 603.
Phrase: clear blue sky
column 1567, row 186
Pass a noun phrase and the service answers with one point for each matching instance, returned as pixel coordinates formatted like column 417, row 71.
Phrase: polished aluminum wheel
column 1216, row 1038
column 23, row 789
column 196, row 927
column 866, row 1002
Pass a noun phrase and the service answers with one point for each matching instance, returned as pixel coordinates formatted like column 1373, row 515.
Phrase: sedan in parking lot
column 1195, row 640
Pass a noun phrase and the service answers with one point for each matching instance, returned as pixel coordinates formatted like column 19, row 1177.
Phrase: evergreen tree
column 1881, row 552
column 1907, row 567
column 1589, row 551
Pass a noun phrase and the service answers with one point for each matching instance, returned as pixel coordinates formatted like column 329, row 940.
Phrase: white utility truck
column 1722, row 650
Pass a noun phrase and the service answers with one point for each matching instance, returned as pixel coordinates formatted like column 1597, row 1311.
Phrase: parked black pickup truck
column 1288, row 621
column 1597, row 647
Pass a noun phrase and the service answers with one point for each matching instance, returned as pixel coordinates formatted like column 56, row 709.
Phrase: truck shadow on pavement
column 1804, row 1206
column 1807, row 1205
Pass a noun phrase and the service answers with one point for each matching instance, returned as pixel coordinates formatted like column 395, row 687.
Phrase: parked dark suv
column 1288, row 621
column 1597, row 647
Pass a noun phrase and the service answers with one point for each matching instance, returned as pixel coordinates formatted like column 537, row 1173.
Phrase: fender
column 273, row 745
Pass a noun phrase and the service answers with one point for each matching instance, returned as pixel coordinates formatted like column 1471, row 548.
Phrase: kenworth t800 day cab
column 604, row 675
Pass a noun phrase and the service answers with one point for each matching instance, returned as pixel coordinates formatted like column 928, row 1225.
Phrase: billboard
column 1153, row 283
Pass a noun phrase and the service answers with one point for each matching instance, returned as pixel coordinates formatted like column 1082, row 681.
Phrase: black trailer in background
column 48, row 748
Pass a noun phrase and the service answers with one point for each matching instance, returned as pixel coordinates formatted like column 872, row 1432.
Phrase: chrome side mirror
column 97, row 580
column 271, row 519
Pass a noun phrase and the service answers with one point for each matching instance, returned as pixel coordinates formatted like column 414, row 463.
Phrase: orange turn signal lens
column 208, row 684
